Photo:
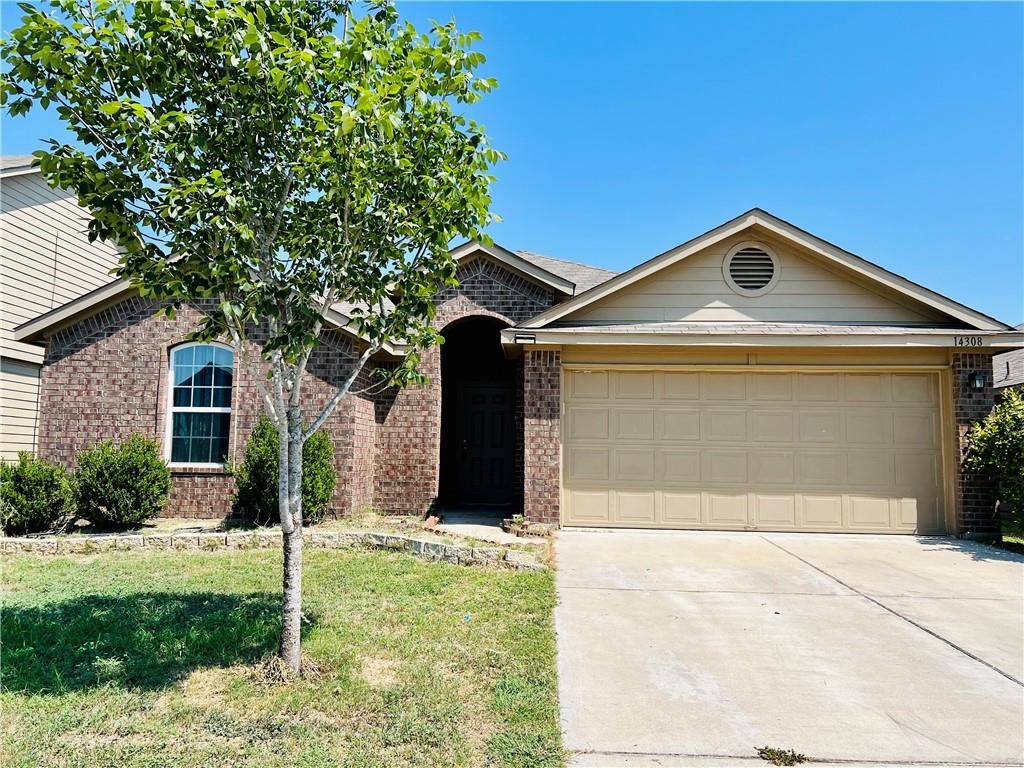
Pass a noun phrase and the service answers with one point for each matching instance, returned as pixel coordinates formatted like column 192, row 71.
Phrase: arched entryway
column 480, row 417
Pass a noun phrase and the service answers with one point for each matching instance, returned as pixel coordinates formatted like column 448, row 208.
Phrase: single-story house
column 1008, row 368
column 46, row 260
column 754, row 377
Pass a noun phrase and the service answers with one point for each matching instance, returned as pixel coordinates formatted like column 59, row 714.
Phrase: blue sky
column 894, row 131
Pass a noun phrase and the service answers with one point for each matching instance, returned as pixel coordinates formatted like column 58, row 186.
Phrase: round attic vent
column 750, row 269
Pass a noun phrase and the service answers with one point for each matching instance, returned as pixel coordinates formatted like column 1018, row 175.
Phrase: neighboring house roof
column 1008, row 368
column 824, row 250
column 15, row 165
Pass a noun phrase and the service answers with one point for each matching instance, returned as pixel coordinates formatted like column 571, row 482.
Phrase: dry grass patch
column 379, row 672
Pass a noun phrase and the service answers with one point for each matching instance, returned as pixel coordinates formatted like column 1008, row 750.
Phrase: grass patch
column 148, row 658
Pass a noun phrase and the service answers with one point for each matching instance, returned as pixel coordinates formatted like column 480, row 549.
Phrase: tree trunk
column 291, row 605
column 290, row 486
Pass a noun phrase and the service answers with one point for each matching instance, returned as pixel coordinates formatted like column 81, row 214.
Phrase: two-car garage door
column 787, row 450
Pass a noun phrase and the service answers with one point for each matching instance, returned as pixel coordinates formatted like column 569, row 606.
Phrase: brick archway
column 408, row 457
column 481, row 434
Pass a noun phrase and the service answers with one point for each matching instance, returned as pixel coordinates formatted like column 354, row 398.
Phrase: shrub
column 256, row 476
column 35, row 497
column 124, row 484
column 995, row 450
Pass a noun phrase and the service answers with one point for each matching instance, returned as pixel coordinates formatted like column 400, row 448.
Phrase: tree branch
column 340, row 392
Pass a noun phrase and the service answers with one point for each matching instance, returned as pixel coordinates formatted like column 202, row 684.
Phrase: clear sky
column 894, row 131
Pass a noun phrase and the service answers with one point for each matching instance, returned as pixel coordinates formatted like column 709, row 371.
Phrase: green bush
column 995, row 450
column 256, row 476
column 124, row 484
column 35, row 497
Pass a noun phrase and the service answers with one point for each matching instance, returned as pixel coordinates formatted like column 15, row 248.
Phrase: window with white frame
column 200, row 408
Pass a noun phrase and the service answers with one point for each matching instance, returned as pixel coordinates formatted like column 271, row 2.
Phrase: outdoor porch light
column 976, row 380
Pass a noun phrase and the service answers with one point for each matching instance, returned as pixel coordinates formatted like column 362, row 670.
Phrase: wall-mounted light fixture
column 976, row 380
column 525, row 338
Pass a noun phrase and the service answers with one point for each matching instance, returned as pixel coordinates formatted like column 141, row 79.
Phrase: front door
column 484, row 427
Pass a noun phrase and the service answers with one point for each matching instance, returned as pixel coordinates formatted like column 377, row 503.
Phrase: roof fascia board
column 993, row 339
column 38, row 328
column 19, row 171
column 881, row 275
column 785, row 230
column 342, row 322
column 76, row 309
column 517, row 264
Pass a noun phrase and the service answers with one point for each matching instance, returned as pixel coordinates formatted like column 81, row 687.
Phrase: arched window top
column 200, row 409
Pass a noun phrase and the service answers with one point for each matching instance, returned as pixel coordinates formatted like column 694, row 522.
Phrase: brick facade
column 107, row 377
column 542, row 393
column 976, row 514
column 409, row 437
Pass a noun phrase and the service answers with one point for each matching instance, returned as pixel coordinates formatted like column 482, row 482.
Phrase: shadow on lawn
column 143, row 640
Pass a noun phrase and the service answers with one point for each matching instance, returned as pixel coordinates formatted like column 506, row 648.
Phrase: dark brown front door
column 485, row 443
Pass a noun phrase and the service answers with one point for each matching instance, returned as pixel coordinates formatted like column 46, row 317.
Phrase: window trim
column 747, row 292
column 169, row 427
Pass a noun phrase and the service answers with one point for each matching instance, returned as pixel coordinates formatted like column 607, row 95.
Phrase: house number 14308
column 968, row 341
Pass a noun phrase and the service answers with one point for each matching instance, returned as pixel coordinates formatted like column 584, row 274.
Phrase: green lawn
column 148, row 659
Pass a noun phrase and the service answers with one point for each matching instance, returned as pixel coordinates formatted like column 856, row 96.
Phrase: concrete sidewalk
column 697, row 648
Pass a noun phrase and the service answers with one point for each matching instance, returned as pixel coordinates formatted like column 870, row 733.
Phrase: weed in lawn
column 777, row 756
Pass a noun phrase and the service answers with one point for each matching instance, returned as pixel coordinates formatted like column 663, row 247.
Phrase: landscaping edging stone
column 430, row 550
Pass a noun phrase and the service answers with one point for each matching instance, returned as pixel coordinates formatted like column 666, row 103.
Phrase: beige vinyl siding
column 19, row 400
column 46, row 258
column 695, row 290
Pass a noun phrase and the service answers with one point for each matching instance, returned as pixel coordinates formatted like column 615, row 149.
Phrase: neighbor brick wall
column 976, row 517
column 542, row 395
column 106, row 377
column 409, row 421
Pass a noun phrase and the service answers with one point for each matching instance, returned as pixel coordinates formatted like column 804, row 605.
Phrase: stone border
column 208, row 542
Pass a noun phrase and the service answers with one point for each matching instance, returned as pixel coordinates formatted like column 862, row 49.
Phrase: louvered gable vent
column 751, row 268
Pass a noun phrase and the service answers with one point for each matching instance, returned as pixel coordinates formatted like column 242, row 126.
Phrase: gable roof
column 565, row 277
column 524, row 267
column 39, row 328
column 783, row 229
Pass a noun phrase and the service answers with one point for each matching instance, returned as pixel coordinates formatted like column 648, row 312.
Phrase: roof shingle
column 583, row 275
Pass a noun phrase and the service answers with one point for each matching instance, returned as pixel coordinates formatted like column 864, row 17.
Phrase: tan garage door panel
column 805, row 451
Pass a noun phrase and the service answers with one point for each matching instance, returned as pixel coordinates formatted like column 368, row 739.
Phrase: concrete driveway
column 697, row 648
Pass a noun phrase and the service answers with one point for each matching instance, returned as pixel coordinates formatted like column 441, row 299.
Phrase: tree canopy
column 280, row 156
column 284, row 158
